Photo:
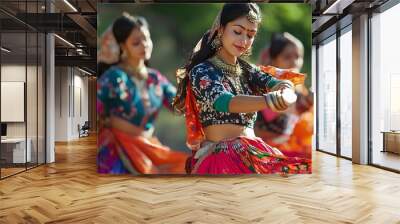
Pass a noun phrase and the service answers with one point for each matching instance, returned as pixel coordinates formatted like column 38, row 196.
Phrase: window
column 327, row 95
column 22, row 75
column 346, row 95
column 385, row 86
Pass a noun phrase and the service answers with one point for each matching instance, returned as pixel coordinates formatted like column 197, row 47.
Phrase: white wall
column 13, row 73
column 80, row 100
column 61, row 103
column 71, row 93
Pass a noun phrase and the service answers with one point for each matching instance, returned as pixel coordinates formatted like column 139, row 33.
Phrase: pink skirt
column 245, row 155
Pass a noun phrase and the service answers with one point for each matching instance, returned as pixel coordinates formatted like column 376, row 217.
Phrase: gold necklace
column 139, row 75
column 236, row 82
column 231, row 72
column 139, row 72
column 228, row 69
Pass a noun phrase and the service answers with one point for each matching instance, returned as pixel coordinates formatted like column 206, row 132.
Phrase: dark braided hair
column 230, row 12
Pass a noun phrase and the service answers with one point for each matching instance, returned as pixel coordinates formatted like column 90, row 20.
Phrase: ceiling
column 329, row 13
column 74, row 21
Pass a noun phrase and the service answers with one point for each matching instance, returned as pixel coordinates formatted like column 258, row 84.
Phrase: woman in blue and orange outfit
column 220, row 93
column 129, row 98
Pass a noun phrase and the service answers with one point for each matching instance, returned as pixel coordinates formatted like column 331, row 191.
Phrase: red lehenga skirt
column 119, row 152
column 245, row 155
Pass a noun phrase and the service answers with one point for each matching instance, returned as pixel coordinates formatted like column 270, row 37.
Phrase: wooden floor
column 5, row 172
column 10, row 171
column 70, row 191
column 387, row 159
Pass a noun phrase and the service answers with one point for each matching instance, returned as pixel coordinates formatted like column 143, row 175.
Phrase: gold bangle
column 268, row 100
column 275, row 101
column 282, row 102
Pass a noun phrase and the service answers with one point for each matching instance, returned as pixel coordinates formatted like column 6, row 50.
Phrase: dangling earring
column 216, row 44
column 123, row 55
column 247, row 53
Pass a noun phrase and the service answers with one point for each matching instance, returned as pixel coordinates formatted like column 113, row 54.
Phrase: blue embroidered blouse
column 208, row 83
column 134, row 100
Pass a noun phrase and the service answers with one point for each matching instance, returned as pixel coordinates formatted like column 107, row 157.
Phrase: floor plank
column 70, row 191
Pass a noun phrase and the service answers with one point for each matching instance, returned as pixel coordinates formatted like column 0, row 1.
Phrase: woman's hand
column 280, row 100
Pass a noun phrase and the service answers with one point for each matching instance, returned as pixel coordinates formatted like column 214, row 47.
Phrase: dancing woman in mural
column 219, row 92
column 129, row 98
column 290, row 131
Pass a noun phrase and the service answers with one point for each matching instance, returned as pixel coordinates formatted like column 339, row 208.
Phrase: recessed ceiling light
column 5, row 50
column 70, row 5
column 65, row 41
column 84, row 71
column 337, row 7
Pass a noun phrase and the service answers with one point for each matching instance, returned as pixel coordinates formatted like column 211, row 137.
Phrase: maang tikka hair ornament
column 215, row 42
column 253, row 17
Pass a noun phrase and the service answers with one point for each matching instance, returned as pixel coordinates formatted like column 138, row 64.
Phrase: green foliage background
column 176, row 28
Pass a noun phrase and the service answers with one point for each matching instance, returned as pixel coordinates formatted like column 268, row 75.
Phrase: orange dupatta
column 284, row 74
column 195, row 133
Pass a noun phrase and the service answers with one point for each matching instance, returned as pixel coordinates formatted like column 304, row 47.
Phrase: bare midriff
column 127, row 127
column 216, row 133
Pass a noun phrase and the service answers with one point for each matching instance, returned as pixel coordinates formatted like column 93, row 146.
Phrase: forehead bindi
column 244, row 24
